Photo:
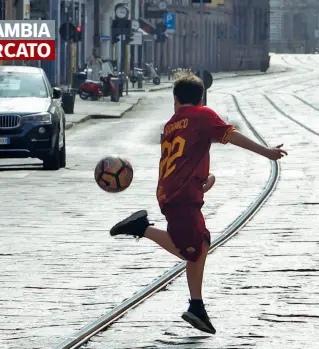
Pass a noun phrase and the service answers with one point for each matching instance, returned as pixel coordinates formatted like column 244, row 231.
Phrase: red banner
column 27, row 50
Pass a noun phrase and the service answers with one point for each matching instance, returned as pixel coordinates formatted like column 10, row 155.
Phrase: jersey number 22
column 174, row 150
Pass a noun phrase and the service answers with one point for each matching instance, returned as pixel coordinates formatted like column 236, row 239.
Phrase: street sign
column 207, row 80
column 105, row 38
column 153, row 11
column 162, row 5
column 135, row 24
column 137, row 38
column 169, row 21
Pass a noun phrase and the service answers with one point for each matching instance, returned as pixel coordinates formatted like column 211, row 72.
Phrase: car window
column 22, row 85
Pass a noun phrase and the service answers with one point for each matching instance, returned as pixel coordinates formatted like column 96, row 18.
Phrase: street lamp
column 68, row 44
column 122, row 23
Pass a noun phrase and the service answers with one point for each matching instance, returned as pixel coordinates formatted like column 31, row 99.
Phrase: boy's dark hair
column 188, row 89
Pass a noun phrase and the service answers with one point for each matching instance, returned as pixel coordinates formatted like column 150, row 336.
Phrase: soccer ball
column 113, row 174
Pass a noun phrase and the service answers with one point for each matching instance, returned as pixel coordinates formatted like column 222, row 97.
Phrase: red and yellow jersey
column 184, row 163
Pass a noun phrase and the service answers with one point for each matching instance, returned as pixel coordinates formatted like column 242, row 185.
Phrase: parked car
column 32, row 120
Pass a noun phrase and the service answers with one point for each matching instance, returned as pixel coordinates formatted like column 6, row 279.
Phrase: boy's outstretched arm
column 242, row 141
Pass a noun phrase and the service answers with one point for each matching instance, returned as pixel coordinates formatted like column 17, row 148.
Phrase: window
column 242, row 29
column 286, row 31
column 22, row 85
column 2, row 10
column 258, row 20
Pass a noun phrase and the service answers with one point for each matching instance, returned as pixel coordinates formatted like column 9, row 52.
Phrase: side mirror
column 56, row 93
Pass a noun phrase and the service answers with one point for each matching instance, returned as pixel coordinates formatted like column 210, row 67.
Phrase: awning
column 146, row 26
column 142, row 31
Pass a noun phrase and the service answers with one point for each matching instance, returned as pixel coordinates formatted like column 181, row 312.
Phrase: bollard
column 126, row 84
column 139, row 80
column 134, row 78
column 68, row 100
column 115, row 97
column 121, row 84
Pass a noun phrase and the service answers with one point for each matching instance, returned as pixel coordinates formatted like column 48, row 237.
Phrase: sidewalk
column 103, row 108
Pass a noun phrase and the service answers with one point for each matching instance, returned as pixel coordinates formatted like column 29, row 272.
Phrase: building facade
column 236, row 36
column 70, row 58
column 60, row 70
column 294, row 26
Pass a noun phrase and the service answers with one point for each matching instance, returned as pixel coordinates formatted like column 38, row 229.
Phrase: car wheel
column 63, row 154
column 52, row 162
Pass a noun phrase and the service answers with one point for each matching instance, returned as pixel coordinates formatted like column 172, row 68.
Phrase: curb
column 102, row 116
column 152, row 89
column 71, row 124
column 256, row 74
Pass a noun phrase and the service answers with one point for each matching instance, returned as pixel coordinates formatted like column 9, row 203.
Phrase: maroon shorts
column 187, row 229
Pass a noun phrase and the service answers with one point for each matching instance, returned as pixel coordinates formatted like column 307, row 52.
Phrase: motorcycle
column 149, row 73
column 95, row 90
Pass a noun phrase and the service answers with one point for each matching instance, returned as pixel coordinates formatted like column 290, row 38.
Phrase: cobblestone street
column 60, row 269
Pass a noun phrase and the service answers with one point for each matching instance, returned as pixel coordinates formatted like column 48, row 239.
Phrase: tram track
column 305, row 102
column 262, row 78
column 298, row 66
column 287, row 80
column 294, row 80
column 290, row 117
column 83, row 336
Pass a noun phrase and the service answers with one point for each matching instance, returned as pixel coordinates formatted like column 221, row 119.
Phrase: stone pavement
column 261, row 287
column 60, row 269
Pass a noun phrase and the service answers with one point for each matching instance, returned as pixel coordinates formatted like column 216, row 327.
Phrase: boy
column 183, row 179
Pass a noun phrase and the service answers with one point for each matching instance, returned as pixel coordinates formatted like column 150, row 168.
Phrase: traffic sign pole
column 68, row 44
column 201, row 48
column 122, row 56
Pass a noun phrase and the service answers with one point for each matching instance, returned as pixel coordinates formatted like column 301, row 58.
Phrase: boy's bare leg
column 162, row 238
column 196, row 314
column 138, row 225
column 195, row 272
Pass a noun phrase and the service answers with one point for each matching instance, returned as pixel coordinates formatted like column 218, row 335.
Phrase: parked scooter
column 149, row 73
column 104, row 87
